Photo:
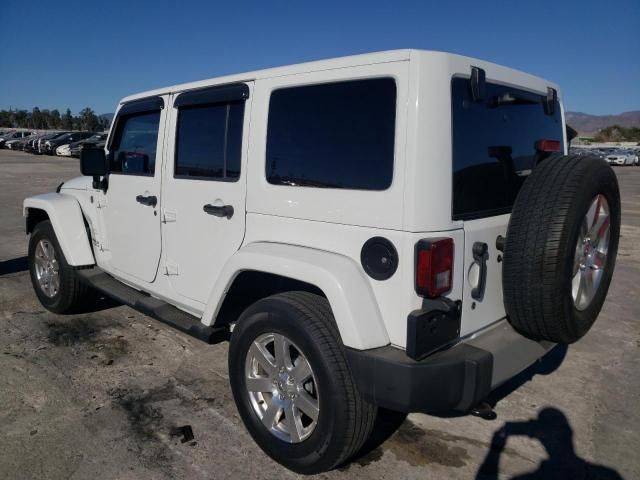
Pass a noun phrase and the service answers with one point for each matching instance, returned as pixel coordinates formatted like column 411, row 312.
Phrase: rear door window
column 494, row 146
column 209, row 141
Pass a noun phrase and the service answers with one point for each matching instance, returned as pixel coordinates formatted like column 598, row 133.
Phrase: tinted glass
column 494, row 146
column 209, row 141
column 336, row 135
column 134, row 147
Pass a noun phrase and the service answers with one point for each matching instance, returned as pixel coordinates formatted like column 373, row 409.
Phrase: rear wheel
column 561, row 247
column 292, row 385
column 56, row 284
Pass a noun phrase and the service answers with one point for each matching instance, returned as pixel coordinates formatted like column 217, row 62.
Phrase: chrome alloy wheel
column 282, row 387
column 591, row 253
column 47, row 268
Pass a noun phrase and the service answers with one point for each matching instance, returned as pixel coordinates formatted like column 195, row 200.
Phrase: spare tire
column 561, row 248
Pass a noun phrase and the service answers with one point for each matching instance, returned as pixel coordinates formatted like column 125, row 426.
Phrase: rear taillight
column 548, row 146
column 434, row 267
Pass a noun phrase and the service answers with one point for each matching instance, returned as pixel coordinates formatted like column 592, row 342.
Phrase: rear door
column 205, row 186
column 496, row 144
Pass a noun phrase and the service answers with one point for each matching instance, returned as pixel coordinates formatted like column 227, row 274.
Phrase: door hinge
column 171, row 268
column 168, row 216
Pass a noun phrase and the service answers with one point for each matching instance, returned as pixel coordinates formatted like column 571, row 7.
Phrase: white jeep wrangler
column 400, row 230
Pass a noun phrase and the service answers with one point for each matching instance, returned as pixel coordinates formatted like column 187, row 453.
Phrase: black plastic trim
column 434, row 326
column 374, row 266
column 451, row 380
column 218, row 94
column 153, row 307
column 550, row 101
column 478, row 84
column 150, row 104
column 480, row 252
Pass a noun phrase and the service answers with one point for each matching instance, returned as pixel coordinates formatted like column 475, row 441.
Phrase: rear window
column 333, row 135
column 494, row 146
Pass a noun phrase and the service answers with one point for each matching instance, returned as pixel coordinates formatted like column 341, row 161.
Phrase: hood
column 78, row 183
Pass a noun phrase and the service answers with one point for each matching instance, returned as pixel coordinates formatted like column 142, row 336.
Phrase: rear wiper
column 509, row 99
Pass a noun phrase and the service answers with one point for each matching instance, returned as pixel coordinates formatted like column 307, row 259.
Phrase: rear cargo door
column 497, row 141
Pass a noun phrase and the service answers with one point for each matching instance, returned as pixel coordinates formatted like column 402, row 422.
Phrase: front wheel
column 292, row 385
column 56, row 284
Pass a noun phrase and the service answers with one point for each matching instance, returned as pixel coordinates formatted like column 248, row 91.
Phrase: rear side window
column 334, row 135
column 134, row 147
column 494, row 146
column 209, row 141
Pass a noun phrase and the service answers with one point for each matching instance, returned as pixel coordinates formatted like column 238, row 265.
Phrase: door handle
column 150, row 201
column 480, row 256
column 223, row 211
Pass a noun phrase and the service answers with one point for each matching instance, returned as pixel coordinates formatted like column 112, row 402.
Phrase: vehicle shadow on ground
column 15, row 265
column 96, row 303
column 545, row 366
column 551, row 428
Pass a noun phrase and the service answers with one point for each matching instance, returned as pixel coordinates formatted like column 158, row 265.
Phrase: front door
column 205, row 186
column 131, row 203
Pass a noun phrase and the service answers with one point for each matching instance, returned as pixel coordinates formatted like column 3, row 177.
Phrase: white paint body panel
column 339, row 277
column 132, row 229
column 66, row 218
column 197, row 244
column 310, row 234
column 349, row 207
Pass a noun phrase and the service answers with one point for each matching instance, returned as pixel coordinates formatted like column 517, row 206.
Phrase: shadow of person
column 15, row 265
column 553, row 431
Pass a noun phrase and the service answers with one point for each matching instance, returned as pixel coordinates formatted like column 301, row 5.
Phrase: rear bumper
column 455, row 379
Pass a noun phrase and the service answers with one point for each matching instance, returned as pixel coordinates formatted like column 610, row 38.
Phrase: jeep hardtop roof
column 340, row 62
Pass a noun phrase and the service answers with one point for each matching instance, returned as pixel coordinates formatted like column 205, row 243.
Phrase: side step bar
column 152, row 307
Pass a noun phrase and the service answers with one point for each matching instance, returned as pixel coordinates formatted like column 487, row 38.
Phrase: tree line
column 616, row 133
column 37, row 119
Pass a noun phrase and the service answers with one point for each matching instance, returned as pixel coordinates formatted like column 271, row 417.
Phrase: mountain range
column 586, row 124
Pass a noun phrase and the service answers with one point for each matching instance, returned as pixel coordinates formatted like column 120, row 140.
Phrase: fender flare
column 344, row 284
column 65, row 215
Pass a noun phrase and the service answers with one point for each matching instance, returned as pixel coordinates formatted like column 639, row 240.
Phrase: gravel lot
column 97, row 395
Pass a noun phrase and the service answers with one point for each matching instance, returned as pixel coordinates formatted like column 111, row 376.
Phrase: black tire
column 540, row 248
column 345, row 420
column 73, row 293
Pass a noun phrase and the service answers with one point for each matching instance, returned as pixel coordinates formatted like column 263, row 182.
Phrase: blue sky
column 92, row 53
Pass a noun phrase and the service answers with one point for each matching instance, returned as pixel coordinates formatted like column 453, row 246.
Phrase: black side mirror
column 93, row 162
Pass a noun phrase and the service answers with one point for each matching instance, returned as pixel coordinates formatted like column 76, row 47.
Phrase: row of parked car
column 64, row 143
column 615, row 156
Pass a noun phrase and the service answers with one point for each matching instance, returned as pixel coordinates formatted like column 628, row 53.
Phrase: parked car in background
column 32, row 143
column 9, row 144
column 21, row 144
column 52, row 144
column 41, row 142
column 92, row 141
column 18, row 143
column 63, row 150
column 622, row 157
column 13, row 136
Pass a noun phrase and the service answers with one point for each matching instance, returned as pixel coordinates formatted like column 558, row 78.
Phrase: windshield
column 494, row 146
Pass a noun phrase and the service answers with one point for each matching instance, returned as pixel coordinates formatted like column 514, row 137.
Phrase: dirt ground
column 97, row 395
